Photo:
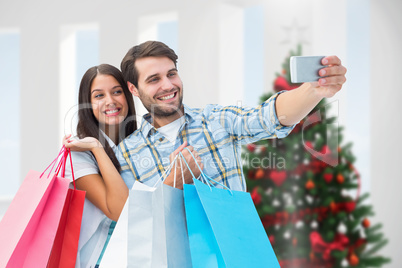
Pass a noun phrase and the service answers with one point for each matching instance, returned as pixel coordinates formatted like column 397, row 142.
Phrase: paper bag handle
column 53, row 163
column 203, row 175
column 167, row 172
column 65, row 152
column 62, row 168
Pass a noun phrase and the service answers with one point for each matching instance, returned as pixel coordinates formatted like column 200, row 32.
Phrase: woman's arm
column 107, row 191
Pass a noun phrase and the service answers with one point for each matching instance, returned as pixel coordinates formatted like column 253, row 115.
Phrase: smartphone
column 305, row 68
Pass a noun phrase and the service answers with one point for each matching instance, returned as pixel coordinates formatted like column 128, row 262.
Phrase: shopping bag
column 203, row 245
column 116, row 252
column 157, row 233
column 145, row 228
column 65, row 246
column 224, row 228
column 29, row 226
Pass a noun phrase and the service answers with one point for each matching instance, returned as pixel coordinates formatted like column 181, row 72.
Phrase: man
column 215, row 133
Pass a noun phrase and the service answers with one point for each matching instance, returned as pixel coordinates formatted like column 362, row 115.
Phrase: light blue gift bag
column 224, row 228
column 157, row 233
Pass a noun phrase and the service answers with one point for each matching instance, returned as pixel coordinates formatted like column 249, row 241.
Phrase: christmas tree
column 307, row 193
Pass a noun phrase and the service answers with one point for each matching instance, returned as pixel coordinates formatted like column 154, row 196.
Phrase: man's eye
column 171, row 74
column 154, row 80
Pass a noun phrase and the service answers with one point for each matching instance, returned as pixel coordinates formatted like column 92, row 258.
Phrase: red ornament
column 310, row 185
column 340, row 179
column 262, row 149
column 309, row 145
column 271, row 239
column 255, row 196
column 333, row 206
column 318, row 245
column 251, row 174
column 278, row 177
column 366, row 223
column 281, row 83
column 323, row 164
column 328, row 177
column 316, row 166
column 259, row 174
column 349, row 206
column 325, row 150
column 353, row 259
column 251, row 147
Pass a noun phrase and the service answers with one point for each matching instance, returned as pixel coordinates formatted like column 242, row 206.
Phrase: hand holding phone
column 305, row 68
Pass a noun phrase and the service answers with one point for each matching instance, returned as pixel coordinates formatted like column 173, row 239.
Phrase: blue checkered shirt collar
column 148, row 129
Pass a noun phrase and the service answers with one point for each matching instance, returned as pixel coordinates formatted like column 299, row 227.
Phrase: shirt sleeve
column 84, row 163
column 247, row 125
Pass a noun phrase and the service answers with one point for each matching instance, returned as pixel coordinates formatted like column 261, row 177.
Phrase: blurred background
column 229, row 53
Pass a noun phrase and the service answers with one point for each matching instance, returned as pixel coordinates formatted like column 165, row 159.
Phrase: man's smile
column 168, row 97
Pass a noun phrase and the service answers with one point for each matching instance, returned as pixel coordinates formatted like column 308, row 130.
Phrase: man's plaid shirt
column 216, row 133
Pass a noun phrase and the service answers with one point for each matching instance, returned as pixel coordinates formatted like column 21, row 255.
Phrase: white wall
column 386, row 146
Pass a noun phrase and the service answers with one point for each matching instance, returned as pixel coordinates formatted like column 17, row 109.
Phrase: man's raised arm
column 294, row 105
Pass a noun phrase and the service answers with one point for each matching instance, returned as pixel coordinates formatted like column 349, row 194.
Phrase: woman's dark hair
column 88, row 125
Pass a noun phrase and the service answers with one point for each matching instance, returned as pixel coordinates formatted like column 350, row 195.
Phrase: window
column 79, row 50
column 253, row 55
column 10, row 112
column 167, row 32
column 161, row 27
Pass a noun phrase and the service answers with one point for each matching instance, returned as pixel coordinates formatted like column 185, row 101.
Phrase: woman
column 106, row 116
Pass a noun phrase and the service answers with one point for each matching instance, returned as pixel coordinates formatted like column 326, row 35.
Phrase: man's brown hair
column 146, row 49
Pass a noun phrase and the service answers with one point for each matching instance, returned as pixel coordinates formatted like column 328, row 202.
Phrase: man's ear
column 133, row 89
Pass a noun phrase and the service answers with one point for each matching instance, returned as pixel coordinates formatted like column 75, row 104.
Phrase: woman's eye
column 117, row 92
column 98, row 96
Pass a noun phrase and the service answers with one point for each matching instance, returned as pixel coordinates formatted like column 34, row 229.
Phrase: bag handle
column 61, row 166
column 67, row 153
column 203, row 175
column 167, row 172
column 181, row 167
column 182, row 175
column 54, row 163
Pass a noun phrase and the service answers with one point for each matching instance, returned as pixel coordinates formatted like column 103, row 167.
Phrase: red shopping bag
column 29, row 226
column 65, row 246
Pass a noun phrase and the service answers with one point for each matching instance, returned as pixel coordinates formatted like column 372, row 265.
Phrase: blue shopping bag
column 203, row 246
column 224, row 228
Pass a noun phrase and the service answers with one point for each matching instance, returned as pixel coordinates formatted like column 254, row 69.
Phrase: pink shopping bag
column 65, row 246
column 29, row 226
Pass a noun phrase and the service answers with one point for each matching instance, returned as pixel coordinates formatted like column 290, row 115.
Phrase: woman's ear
column 133, row 89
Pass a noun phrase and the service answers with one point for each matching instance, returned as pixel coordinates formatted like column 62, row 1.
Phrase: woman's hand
column 81, row 145
column 106, row 190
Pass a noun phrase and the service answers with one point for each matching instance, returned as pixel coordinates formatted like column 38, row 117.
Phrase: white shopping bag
column 177, row 242
column 116, row 252
column 157, row 231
